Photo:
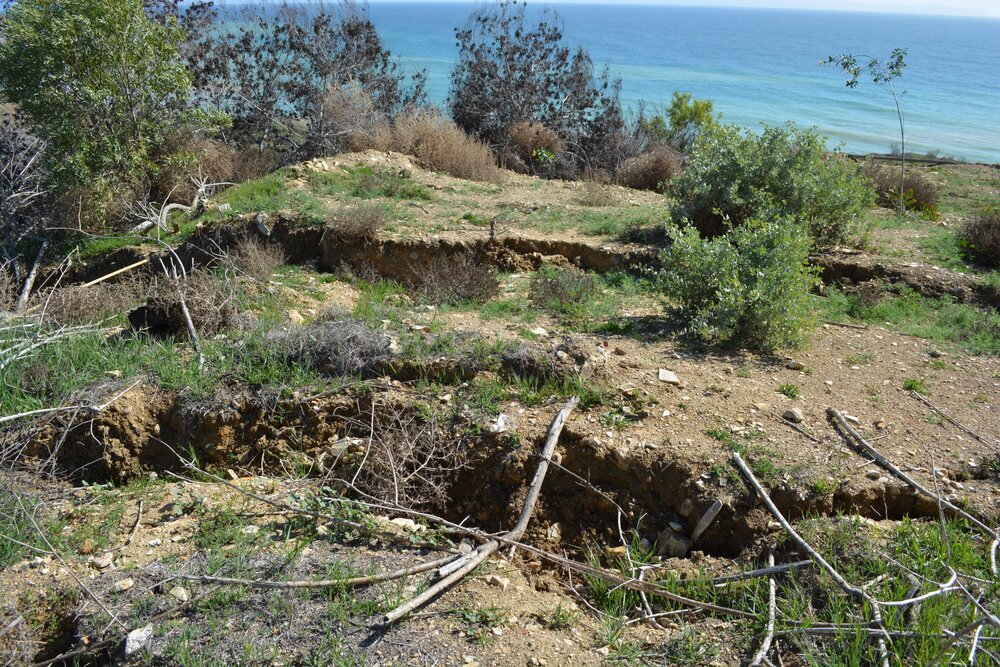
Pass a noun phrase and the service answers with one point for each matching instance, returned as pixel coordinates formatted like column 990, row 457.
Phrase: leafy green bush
column 749, row 287
column 733, row 176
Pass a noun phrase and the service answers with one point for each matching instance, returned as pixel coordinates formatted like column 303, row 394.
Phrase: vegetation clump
column 919, row 192
column 980, row 237
column 748, row 288
column 733, row 176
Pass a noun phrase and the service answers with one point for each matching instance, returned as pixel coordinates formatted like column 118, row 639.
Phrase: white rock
column 123, row 585
column 539, row 331
column 669, row 377
column 497, row 581
column 179, row 593
column 794, row 365
column 794, row 415
column 138, row 639
column 500, row 425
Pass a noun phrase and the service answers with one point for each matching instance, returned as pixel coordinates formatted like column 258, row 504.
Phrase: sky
column 987, row 8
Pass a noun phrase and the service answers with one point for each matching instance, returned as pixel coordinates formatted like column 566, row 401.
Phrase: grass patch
column 368, row 183
column 940, row 320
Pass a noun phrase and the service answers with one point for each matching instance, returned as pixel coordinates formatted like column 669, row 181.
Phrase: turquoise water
column 761, row 65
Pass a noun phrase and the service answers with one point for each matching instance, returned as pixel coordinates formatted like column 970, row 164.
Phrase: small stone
column 554, row 532
column 873, row 474
column 540, row 331
column 500, row 425
column 773, row 525
column 669, row 377
column 592, row 443
column 295, row 317
column 418, row 328
column 137, row 640
column 496, row 581
column 672, row 545
column 123, row 585
column 687, row 508
column 676, row 526
column 232, row 474
column 179, row 593
column 408, row 525
column 794, row 415
column 103, row 562
column 615, row 553
column 497, row 631
column 794, row 365
column 604, row 651
column 250, row 530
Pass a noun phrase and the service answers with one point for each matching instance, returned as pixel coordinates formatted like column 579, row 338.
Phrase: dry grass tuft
column 529, row 137
column 363, row 223
column 209, row 299
column 8, row 289
column 336, row 344
column 651, row 170
column 456, row 279
column 981, row 237
column 75, row 304
column 597, row 189
column 257, row 259
column 440, row 145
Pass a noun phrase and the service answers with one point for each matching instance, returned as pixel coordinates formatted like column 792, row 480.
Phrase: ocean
column 762, row 66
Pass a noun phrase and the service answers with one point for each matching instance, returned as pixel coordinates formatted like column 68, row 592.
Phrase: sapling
column 883, row 74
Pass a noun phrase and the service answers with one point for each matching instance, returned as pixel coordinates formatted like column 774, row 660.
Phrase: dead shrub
column 980, row 237
column 8, row 289
column 529, row 137
column 336, row 344
column 563, row 292
column 410, row 461
column 651, row 170
column 919, row 192
column 440, row 145
column 257, row 259
column 869, row 293
column 597, row 189
column 209, row 299
column 77, row 304
column 363, row 223
column 455, row 279
column 348, row 121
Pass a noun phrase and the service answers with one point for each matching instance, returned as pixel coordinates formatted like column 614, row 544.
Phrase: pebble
column 123, row 585
column 539, row 331
column 794, row 415
column 497, row 581
column 873, row 474
column 408, row 524
column 179, row 593
column 137, row 640
column 793, row 365
column 669, row 377
column 103, row 562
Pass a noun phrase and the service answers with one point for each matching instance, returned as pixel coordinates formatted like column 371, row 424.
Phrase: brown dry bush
column 529, row 137
column 597, row 189
column 210, row 300
column 455, row 279
column 440, row 145
column 981, row 237
column 77, row 304
column 8, row 289
column 410, row 461
column 651, row 170
column 336, row 344
column 363, row 223
column 257, row 259
column 919, row 192
column 349, row 121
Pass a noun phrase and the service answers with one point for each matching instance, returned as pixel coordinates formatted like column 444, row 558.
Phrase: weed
column 915, row 384
column 565, row 293
column 860, row 358
column 478, row 622
column 790, row 390
column 560, row 618
column 688, row 648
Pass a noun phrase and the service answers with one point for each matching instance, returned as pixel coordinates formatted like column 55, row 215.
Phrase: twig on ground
column 765, row 645
column 483, row 552
column 762, row 572
column 953, row 421
column 888, row 465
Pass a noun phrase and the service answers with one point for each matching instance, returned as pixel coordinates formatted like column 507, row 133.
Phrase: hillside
column 377, row 356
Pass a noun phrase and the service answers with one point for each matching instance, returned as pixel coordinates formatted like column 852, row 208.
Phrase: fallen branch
column 322, row 583
column 954, row 421
column 29, row 282
column 853, row 591
column 762, row 572
column 477, row 556
column 888, row 465
column 117, row 272
column 765, row 645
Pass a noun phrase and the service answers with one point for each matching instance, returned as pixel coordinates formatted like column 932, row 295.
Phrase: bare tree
column 24, row 189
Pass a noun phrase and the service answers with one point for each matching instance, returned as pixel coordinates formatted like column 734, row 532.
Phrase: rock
column 687, row 508
column 154, row 542
column 554, row 532
column 794, row 365
column 592, row 443
column 873, row 474
column 225, row 208
column 103, row 562
column 250, row 530
column 539, row 331
column 179, row 593
column 794, row 415
column 500, row 425
column 669, row 377
column 295, row 317
column 408, row 524
column 676, row 526
column 672, row 545
column 496, row 581
column 138, row 639
column 123, row 585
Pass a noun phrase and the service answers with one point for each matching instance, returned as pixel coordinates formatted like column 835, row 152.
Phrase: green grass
column 368, row 183
column 790, row 390
column 271, row 194
column 940, row 320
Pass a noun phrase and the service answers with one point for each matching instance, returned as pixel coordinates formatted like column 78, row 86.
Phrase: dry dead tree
column 456, row 571
column 151, row 216
column 853, row 591
column 888, row 465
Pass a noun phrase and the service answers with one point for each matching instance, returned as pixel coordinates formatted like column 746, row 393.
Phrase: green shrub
column 749, row 287
column 980, row 237
column 733, row 176
column 563, row 292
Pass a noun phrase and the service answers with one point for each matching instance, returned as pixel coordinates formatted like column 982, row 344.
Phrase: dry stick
column 192, row 332
column 93, row 409
column 29, row 282
column 762, row 572
column 118, row 272
column 888, row 465
column 853, row 591
column 954, row 421
column 484, row 551
column 324, row 583
column 765, row 646
column 796, row 427
column 993, row 555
